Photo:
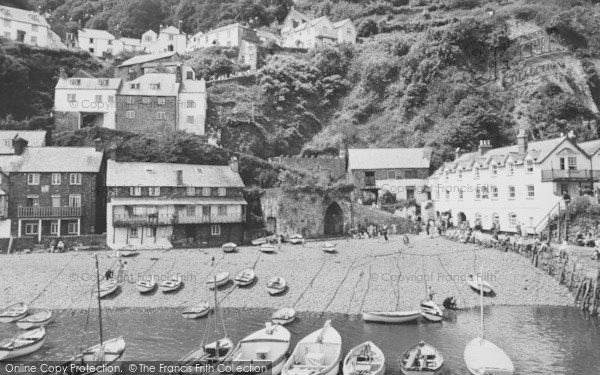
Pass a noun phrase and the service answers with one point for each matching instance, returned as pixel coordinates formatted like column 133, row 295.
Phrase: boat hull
column 431, row 311
column 13, row 313
column 388, row 318
column 11, row 319
column 351, row 357
column 195, row 314
column 229, row 247
column 274, row 291
column 326, row 340
column 31, row 321
column 482, row 357
column 110, row 289
column 412, row 364
column 145, row 288
column 24, row 350
column 283, row 316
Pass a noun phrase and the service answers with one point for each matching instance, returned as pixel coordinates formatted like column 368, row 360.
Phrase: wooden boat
column 364, row 359
column 128, row 253
column 23, row 344
column 317, row 354
column 196, row 312
column 36, row 320
column 328, row 247
column 147, row 285
column 267, row 348
column 431, row 311
column 276, row 285
column 482, row 357
column 220, row 279
column 391, row 317
column 476, row 283
column 422, row 359
column 296, row 239
column 171, row 285
column 245, row 277
column 259, row 241
column 283, row 316
column 107, row 287
column 13, row 313
column 229, row 247
column 267, row 248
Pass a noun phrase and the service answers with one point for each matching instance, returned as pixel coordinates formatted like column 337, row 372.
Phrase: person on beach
column 450, row 303
column 60, row 246
column 120, row 268
column 108, row 274
column 430, row 292
column 405, row 239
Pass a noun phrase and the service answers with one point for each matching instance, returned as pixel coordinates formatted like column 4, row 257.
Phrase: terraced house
column 160, row 205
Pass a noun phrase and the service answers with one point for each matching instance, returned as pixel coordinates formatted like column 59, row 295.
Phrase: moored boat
column 316, row 354
column 267, row 349
column 431, row 311
column 171, row 285
column 296, row 239
column 283, row 316
column 107, row 287
column 23, row 344
column 422, row 359
column 276, row 285
column 267, row 248
column 391, row 316
column 364, row 359
column 36, row 320
column 328, row 247
column 220, row 279
column 477, row 283
column 146, row 285
column 13, row 313
column 229, row 247
column 196, row 312
column 245, row 277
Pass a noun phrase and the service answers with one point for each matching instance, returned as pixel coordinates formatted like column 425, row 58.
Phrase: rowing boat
column 107, row 287
column 13, row 313
column 477, row 283
column 317, row 354
column 245, row 277
column 171, row 285
column 196, row 312
column 276, row 285
column 364, row 359
column 283, row 316
column 36, row 320
column 431, row 311
column 391, row 316
column 219, row 280
column 229, row 247
column 422, row 359
column 146, row 285
column 23, row 344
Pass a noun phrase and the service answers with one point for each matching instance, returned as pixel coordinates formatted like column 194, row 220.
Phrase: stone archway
column 334, row 219
column 460, row 217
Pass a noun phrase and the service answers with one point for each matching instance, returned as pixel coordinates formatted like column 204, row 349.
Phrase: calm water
column 540, row 340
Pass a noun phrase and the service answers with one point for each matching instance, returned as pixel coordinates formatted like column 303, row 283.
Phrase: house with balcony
column 401, row 171
column 164, row 205
column 515, row 185
column 51, row 191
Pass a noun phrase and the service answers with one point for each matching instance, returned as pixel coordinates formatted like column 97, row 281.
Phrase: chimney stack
column 571, row 135
column 98, row 145
column 112, row 153
column 457, row 153
column 180, row 25
column 178, row 73
column 522, row 142
column 234, row 164
column 484, row 146
column 179, row 177
column 19, row 145
column 62, row 74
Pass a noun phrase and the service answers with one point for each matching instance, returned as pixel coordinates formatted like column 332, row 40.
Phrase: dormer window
column 529, row 166
column 476, row 172
column 134, row 86
column 75, row 82
column 154, row 86
column 198, row 170
column 494, row 169
column 103, row 82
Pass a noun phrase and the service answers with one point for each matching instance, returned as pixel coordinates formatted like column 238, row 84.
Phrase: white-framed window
column 572, row 163
column 33, row 200
column 133, row 232
column 222, row 209
column 135, row 191
column 134, row 86
column 512, row 219
column 146, row 100
column 206, row 192
column 150, row 232
column 54, row 228
column 189, row 119
column 215, row 230
column 75, row 200
column 130, row 114
column 98, row 98
column 494, row 170
column 510, row 168
column 205, row 210
column 75, row 81
column 31, row 229
column 33, row 179
column 512, row 192
column 190, row 191
column 222, row 192
column 154, row 86
column 494, row 192
column 103, row 81
column 530, row 191
column 160, row 115
column 529, row 166
column 71, row 98
column 72, row 227
column 130, row 100
column 55, row 200
column 154, row 191
column 111, row 98
column 56, row 178
column 75, row 178
column 161, row 101
column 485, row 194
column 139, row 211
column 190, row 210
column 477, row 193
column 496, row 218
column 476, row 172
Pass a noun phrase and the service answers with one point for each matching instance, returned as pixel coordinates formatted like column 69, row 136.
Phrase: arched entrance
column 461, row 217
column 334, row 219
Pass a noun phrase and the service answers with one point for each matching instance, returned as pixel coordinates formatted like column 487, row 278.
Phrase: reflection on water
column 539, row 340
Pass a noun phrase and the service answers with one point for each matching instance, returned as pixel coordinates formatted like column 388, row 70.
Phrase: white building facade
column 169, row 39
column 226, row 36
column 301, row 31
column 25, row 26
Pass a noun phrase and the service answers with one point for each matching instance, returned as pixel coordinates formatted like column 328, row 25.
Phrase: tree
column 134, row 17
column 367, row 28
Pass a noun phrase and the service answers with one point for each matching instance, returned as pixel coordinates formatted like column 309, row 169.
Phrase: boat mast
column 216, row 319
column 99, row 303
column 481, row 300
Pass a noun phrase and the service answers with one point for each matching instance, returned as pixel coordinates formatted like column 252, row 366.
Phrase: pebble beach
column 363, row 275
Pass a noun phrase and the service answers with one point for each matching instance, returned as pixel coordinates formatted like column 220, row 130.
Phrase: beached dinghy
column 128, row 253
column 245, row 277
column 482, row 357
column 296, row 239
column 317, row 354
column 147, row 285
column 23, row 344
column 364, row 359
column 36, row 320
column 328, row 247
column 220, row 279
column 267, row 248
column 276, row 285
column 431, row 311
column 267, row 348
column 283, row 316
column 422, row 359
column 229, row 247
column 477, row 283
column 196, row 312
column 171, row 285
column 391, row 317
column 107, row 287
column 13, row 313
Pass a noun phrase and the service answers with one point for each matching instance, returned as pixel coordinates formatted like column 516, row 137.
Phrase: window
column 512, row 219
column 191, row 191
column 510, row 168
column 154, row 191
column 189, row 75
column 190, row 104
column 391, row 175
column 130, row 114
column 511, row 192
column 460, row 194
column 477, row 193
column 6, row 23
column 485, row 192
column 572, row 163
column 206, row 192
column 139, row 211
column 190, row 119
column 222, row 192
column 411, row 173
column 478, row 218
column 529, row 166
column 170, row 37
column 75, row 200
column 75, row 82
column 110, row 43
column 72, row 227
column 222, row 210
column 133, row 232
column 134, row 86
column 494, row 192
column 34, row 39
column 98, row 99
column 530, row 191
column 148, row 38
column 150, row 232
column 71, row 98
column 410, row 192
column 494, row 170
column 75, row 178
column 205, row 210
column 33, row 179
column 55, row 178
column 103, row 82
column 160, row 115
column 476, row 172
column 135, row 191
column 111, row 98
column 154, row 86
column 349, row 31
column 54, row 228
column 162, row 101
column 146, row 100
column 190, row 210
column 215, row 230
column 495, row 218
column 33, row 201
column 31, row 228
column 459, row 172
column 130, row 100
column 447, row 194
column 91, row 40
column 56, row 201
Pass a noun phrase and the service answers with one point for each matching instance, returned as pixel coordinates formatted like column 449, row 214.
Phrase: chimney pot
column 234, row 164
column 98, row 145
column 112, row 153
column 457, row 153
column 484, row 146
column 62, row 74
column 522, row 142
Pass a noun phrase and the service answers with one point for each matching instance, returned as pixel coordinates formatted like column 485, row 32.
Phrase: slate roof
column 88, row 83
column 541, row 149
column 590, row 147
column 95, row 34
column 388, row 158
column 341, row 23
column 165, row 174
column 131, row 41
column 171, row 30
column 21, row 15
column 35, row 138
column 141, row 59
column 54, row 159
column 167, row 85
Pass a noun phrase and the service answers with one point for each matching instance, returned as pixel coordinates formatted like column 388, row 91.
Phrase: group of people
column 57, row 246
column 120, row 271
column 372, row 231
